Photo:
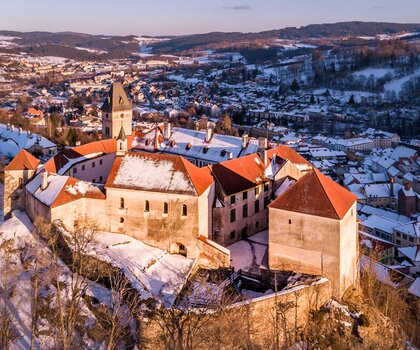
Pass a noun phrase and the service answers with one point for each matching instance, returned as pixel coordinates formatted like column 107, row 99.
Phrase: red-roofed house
column 313, row 230
column 161, row 199
column 16, row 174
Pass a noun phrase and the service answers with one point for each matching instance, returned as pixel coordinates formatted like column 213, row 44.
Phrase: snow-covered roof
column 383, row 224
column 411, row 229
column 158, row 173
column 12, row 140
column 193, row 144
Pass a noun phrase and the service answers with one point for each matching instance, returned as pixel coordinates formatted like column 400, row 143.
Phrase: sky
column 175, row 17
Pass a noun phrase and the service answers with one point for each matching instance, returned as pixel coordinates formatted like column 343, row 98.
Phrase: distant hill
column 329, row 30
column 87, row 46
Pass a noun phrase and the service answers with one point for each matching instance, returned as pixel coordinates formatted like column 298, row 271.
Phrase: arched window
column 121, row 220
column 165, row 208
column 184, row 210
column 122, row 203
column 146, row 206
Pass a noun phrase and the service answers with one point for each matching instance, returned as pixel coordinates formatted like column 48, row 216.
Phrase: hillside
column 90, row 47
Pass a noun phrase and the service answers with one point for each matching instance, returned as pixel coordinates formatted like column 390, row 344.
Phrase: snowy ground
column 19, row 248
column 152, row 271
column 376, row 72
column 248, row 255
column 397, row 84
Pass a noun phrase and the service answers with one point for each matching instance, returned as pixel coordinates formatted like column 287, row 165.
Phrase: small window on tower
column 184, row 210
column 146, row 206
column 165, row 208
column 290, row 221
column 122, row 203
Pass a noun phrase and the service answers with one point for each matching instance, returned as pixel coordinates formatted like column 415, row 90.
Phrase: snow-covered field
column 376, row 72
column 100, row 52
column 397, row 84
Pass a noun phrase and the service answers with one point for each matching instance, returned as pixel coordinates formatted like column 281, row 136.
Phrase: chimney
column 391, row 186
column 209, row 134
column 20, row 130
column 264, row 156
column 230, row 155
column 262, row 143
column 166, row 130
column 244, row 140
column 12, row 127
column 197, row 125
column 78, row 143
column 44, row 180
column 8, row 126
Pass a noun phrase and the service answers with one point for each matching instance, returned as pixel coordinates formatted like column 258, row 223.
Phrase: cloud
column 238, row 7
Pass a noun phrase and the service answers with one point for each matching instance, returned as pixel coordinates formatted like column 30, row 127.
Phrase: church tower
column 117, row 113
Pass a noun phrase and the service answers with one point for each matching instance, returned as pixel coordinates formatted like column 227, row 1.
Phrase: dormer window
column 205, row 149
column 188, row 146
column 223, row 152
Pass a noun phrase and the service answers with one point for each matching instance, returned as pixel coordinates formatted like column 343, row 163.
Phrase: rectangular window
column 398, row 242
column 93, row 164
column 245, row 211
column 83, row 167
column 398, row 234
column 165, row 208
column 257, row 190
column 232, row 235
column 405, row 236
column 266, row 187
column 257, row 206
column 100, row 179
column 411, row 239
column 244, row 195
column 100, row 161
column 75, row 170
column 266, row 202
column 257, row 224
column 232, row 199
column 232, row 215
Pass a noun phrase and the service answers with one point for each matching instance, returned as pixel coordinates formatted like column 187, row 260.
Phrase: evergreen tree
column 295, row 85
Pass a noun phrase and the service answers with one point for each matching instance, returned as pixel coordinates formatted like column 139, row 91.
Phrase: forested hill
column 329, row 30
column 87, row 46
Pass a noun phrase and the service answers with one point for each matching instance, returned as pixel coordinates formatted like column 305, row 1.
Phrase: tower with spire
column 117, row 113
column 121, row 143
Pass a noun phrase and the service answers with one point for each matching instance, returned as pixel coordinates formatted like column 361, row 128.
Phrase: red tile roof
column 288, row 153
column 65, row 196
column 23, row 161
column 316, row 194
column 200, row 178
column 239, row 174
column 62, row 158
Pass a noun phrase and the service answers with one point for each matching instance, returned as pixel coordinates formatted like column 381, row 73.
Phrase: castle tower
column 16, row 175
column 117, row 113
column 313, row 230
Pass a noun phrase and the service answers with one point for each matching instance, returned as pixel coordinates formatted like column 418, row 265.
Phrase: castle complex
column 151, row 187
